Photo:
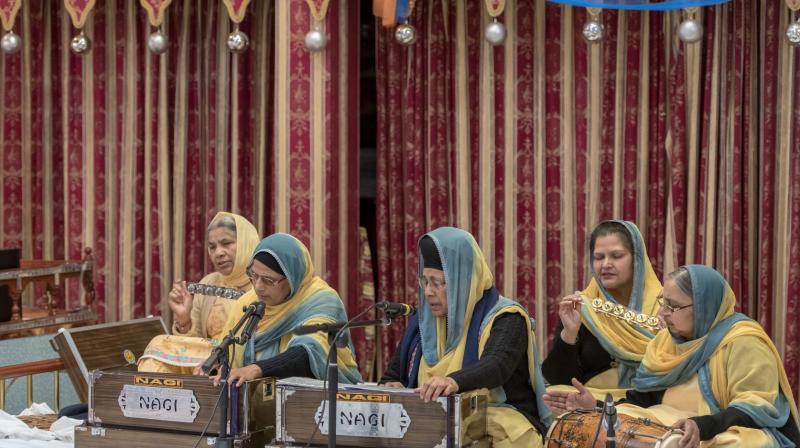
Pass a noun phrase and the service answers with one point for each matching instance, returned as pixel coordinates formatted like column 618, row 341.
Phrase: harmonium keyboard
column 131, row 409
column 376, row 416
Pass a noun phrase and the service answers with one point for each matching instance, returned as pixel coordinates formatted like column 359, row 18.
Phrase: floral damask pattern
column 691, row 142
column 132, row 153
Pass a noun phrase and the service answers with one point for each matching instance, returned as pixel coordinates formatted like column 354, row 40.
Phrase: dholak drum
column 585, row 429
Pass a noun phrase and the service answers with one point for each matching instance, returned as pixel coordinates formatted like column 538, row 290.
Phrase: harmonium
column 132, row 409
column 376, row 416
column 110, row 346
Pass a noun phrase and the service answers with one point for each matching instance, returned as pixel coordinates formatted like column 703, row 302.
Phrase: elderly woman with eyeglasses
column 713, row 373
column 283, row 279
column 467, row 336
column 198, row 320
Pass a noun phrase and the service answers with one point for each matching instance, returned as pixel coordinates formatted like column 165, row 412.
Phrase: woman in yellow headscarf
column 467, row 336
column 597, row 349
column 199, row 320
column 712, row 373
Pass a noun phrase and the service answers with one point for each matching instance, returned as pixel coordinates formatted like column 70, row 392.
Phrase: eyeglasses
column 672, row 309
column 254, row 278
column 434, row 283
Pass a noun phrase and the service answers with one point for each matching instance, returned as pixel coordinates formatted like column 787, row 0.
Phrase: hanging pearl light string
column 80, row 44
column 11, row 42
column 593, row 29
column 690, row 30
column 237, row 40
column 495, row 32
column 793, row 29
column 79, row 12
column 316, row 39
column 405, row 33
column 157, row 42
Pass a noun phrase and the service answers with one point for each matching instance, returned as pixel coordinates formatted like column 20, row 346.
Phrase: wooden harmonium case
column 87, row 436
column 375, row 416
column 180, row 403
column 111, row 346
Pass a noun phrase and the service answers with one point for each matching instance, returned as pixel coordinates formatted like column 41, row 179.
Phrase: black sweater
column 504, row 362
column 583, row 360
column 292, row 362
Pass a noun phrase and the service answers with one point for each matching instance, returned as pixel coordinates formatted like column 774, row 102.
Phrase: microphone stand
column 220, row 356
column 333, row 367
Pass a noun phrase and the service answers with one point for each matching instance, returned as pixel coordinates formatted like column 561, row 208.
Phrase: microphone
column 256, row 312
column 610, row 417
column 313, row 328
column 257, row 306
column 252, row 314
column 395, row 309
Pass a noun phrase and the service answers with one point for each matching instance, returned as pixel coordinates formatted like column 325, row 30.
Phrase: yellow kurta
column 745, row 367
column 181, row 352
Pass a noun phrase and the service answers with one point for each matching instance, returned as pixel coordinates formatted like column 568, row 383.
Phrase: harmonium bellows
column 374, row 416
column 174, row 410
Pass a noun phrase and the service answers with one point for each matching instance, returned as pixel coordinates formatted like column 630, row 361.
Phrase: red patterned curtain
column 132, row 153
column 530, row 144
column 315, row 171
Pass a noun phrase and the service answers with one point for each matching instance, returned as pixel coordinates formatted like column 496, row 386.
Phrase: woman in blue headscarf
column 283, row 278
column 467, row 336
column 712, row 373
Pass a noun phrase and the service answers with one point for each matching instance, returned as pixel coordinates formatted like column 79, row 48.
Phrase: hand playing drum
column 560, row 402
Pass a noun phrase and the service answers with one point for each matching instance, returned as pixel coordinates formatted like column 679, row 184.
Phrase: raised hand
column 180, row 301
column 569, row 311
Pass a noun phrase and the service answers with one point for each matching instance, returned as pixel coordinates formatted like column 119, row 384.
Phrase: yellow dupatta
column 623, row 341
column 736, row 362
column 727, row 376
column 458, row 248
column 451, row 358
column 246, row 241
column 180, row 353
